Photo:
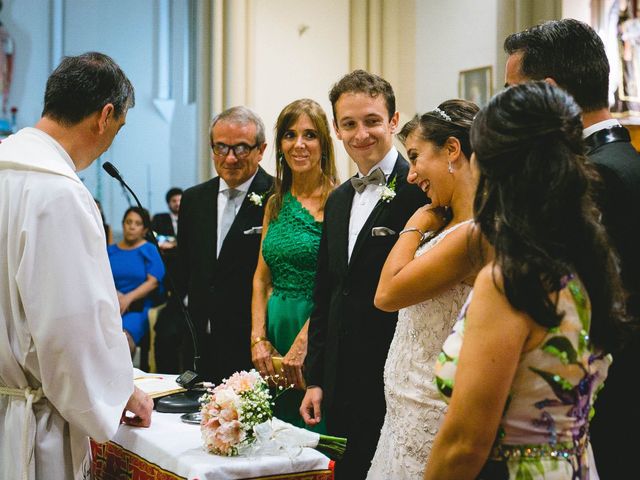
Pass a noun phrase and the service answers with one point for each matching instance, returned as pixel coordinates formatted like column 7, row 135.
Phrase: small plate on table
column 194, row 418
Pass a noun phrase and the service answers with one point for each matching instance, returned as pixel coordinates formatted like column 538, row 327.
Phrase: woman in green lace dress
column 285, row 276
column 530, row 351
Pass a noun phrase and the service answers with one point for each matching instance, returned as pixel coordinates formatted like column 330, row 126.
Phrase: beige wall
column 578, row 9
column 300, row 48
column 464, row 34
column 451, row 36
column 267, row 53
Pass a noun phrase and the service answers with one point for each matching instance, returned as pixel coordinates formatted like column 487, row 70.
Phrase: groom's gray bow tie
column 374, row 178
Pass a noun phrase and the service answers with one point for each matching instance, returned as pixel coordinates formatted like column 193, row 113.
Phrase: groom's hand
column 310, row 407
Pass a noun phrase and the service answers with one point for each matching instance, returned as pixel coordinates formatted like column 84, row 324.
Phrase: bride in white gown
column 427, row 275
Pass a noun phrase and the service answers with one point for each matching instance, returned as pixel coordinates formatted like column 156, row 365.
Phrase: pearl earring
column 450, row 168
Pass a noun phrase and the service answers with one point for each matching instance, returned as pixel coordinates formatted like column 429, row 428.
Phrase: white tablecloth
column 177, row 447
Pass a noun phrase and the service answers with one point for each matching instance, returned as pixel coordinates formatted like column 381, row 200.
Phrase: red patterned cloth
column 112, row 462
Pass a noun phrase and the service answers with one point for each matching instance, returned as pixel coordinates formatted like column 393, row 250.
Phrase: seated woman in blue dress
column 137, row 271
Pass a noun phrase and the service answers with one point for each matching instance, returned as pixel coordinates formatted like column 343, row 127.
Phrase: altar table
column 172, row 450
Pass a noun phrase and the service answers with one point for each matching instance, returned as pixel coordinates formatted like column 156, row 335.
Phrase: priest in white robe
column 65, row 367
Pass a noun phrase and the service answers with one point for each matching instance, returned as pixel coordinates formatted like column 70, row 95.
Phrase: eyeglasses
column 240, row 150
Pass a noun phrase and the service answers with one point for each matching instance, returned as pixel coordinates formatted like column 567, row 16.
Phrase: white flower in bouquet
column 227, row 399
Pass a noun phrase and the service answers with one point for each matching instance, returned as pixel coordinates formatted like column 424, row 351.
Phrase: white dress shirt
column 223, row 199
column 596, row 127
column 174, row 222
column 364, row 203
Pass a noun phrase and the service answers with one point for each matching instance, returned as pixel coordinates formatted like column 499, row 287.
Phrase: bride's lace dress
column 415, row 409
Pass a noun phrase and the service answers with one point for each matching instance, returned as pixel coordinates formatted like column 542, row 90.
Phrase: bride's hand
column 427, row 219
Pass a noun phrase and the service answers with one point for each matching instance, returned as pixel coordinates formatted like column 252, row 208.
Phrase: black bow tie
column 374, row 178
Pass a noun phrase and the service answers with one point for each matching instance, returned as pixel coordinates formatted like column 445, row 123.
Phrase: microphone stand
column 185, row 402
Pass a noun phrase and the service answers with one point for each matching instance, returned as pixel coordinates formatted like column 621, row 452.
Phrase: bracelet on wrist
column 413, row 229
column 257, row 340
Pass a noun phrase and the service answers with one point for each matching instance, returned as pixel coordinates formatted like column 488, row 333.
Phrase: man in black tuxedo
column 571, row 55
column 218, row 241
column 348, row 336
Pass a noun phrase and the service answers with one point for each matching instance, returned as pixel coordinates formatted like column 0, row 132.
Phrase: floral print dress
column 544, row 431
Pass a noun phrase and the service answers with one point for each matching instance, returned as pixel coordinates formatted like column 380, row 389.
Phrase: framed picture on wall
column 476, row 85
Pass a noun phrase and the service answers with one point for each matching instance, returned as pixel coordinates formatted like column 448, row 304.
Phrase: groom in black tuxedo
column 571, row 55
column 348, row 336
column 219, row 231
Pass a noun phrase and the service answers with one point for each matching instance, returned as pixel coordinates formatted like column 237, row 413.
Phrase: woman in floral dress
column 529, row 352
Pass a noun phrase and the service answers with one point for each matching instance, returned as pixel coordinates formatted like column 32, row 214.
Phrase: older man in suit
column 218, row 241
column 348, row 336
column 570, row 54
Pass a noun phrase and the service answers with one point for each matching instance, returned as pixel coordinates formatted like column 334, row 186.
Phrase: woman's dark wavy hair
column 534, row 203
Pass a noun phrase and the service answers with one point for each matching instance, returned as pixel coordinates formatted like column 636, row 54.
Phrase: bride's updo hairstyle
column 452, row 118
column 534, row 204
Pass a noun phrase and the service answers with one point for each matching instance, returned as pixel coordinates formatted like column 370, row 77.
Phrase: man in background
column 166, row 224
column 65, row 367
column 170, row 328
column 570, row 54
column 218, row 242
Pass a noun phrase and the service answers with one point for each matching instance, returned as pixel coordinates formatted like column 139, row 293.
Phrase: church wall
column 299, row 50
column 450, row 37
column 151, row 152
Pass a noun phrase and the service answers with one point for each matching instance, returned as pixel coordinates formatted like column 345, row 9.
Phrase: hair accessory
column 441, row 113
column 450, row 168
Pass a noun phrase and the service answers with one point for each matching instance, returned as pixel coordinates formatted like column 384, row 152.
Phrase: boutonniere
column 257, row 199
column 389, row 191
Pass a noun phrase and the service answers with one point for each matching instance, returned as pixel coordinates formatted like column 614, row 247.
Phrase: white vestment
column 60, row 325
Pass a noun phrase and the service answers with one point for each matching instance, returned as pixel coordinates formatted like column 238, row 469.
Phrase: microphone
column 113, row 171
column 180, row 402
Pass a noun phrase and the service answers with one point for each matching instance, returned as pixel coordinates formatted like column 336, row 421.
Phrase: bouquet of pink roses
column 237, row 419
column 232, row 409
